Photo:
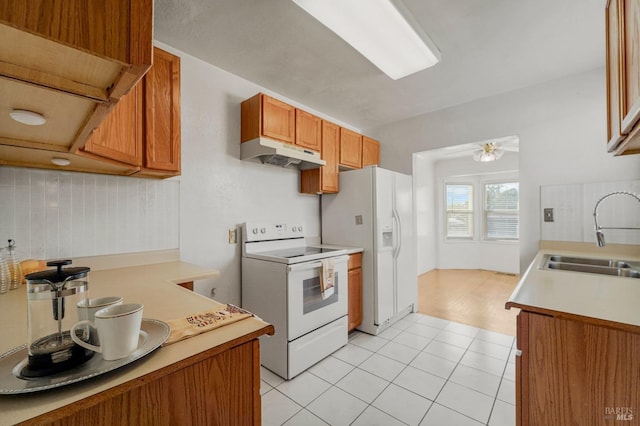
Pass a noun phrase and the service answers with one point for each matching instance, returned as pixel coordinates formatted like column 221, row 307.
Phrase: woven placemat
column 201, row 322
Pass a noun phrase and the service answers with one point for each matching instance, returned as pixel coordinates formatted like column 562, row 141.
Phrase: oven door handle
column 303, row 266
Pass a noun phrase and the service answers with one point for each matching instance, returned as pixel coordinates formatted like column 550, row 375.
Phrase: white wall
column 573, row 206
column 430, row 173
column 562, row 130
column 475, row 254
column 53, row 215
column 219, row 191
column 58, row 214
column 424, row 193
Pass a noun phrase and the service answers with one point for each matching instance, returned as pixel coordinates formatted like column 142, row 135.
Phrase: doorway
column 467, row 228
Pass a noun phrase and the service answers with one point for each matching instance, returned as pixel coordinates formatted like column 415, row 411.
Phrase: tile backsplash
column 55, row 214
column 573, row 212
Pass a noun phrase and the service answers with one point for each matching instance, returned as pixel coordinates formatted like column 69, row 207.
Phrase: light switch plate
column 548, row 215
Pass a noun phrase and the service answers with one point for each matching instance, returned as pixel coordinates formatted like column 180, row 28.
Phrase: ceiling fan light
column 487, row 156
column 488, row 152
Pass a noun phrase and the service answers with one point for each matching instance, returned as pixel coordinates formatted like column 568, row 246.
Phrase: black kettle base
column 41, row 365
column 56, row 359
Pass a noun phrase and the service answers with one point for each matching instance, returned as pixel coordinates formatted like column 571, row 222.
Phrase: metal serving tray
column 12, row 363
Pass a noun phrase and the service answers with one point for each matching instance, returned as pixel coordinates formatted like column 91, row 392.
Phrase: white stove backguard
column 253, row 231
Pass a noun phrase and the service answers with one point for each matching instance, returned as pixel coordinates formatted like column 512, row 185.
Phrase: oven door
column 307, row 308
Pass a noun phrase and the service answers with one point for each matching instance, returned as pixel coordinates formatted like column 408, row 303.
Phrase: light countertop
column 593, row 297
column 152, row 285
column 350, row 250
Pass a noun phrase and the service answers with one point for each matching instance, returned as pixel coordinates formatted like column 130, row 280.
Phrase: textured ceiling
column 488, row 47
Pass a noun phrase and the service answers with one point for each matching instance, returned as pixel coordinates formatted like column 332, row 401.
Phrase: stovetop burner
column 283, row 243
column 299, row 252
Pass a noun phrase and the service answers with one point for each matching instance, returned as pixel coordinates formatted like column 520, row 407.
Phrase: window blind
column 459, row 214
column 502, row 205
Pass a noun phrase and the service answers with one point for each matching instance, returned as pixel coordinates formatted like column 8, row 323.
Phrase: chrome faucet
column 599, row 234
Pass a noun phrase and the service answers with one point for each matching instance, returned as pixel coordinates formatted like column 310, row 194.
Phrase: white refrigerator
column 374, row 210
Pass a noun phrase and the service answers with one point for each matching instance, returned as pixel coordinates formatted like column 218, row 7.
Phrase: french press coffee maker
column 52, row 298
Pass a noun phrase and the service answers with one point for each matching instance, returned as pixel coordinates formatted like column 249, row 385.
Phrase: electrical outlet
column 233, row 236
column 548, row 215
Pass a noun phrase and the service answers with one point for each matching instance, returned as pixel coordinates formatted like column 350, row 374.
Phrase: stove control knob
column 255, row 230
column 300, row 228
column 263, row 230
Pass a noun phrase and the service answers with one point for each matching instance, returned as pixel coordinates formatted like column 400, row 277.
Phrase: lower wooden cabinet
column 188, row 285
column 575, row 372
column 216, row 387
column 143, row 130
column 355, row 290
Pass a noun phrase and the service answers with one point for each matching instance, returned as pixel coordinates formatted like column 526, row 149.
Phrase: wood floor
column 473, row 297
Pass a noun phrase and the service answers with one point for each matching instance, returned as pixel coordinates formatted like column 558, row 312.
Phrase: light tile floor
column 421, row 371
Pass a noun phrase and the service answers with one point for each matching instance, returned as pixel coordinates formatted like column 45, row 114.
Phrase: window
column 459, row 210
column 501, row 211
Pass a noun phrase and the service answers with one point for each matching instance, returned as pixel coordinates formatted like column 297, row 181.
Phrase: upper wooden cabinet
column 144, row 128
column 263, row 115
column 162, row 115
column 623, row 76
column 324, row 180
column 119, row 137
column 308, row 130
column 370, row 152
column 350, row 149
column 69, row 61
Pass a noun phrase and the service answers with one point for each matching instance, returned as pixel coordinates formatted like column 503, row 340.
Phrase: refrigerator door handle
column 397, row 233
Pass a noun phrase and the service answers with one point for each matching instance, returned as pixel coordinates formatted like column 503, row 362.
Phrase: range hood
column 269, row 151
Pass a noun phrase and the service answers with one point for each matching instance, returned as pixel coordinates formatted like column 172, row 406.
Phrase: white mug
column 87, row 308
column 118, row 329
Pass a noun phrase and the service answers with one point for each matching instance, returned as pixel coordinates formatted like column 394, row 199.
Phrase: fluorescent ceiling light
column 381, row 30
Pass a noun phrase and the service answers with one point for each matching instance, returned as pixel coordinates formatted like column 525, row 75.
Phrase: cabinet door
column 308, row 130
column 330, row 153
column 278, row 120
column 614, row 134
column 522, row 368
column 355, row 298
column 370, row 152
column 630, row 65
column 119, row 137
column 578, row 373
column 350, row 149
column 162, row 99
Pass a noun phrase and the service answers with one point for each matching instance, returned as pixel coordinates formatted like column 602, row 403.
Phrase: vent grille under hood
column 268, row 151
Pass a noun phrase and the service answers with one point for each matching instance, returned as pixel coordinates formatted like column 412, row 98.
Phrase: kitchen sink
column 614, row 267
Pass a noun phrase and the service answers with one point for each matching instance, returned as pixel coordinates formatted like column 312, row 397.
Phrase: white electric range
column 281, row 284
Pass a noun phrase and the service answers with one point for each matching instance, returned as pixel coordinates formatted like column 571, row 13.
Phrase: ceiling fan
column 489, row 151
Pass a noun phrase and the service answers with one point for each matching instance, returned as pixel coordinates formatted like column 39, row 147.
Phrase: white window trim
column 477, row 181
column 473, row 211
